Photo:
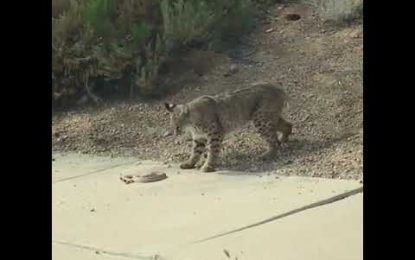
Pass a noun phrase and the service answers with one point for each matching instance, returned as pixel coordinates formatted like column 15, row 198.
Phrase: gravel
column 320, row 67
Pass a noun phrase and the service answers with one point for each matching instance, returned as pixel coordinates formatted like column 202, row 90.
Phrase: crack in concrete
column 291, row 212
column 108, row 252
column 93, row 172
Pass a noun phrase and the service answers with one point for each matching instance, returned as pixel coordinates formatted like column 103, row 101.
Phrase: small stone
column 226, row 253
column 356, row 34
column 167, row 133
column 233, row 68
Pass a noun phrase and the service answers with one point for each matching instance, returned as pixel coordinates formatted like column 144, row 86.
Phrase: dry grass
column 338, row 10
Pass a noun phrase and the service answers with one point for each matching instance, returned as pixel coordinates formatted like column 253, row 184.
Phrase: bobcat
column 210, row 118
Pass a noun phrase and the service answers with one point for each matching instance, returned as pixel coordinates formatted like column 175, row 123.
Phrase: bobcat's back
column 236, row 108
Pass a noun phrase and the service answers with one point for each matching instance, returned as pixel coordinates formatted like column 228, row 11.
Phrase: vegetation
column 339, row 11
column 127, row 41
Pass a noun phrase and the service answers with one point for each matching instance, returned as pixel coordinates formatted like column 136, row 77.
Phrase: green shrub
column 139, row 33
column 68, row 46
column 99, row 14
column 129, row 40
column 186, row 21
column 236, row 18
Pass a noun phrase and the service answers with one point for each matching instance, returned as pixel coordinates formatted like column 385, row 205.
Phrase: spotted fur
column 210, row 118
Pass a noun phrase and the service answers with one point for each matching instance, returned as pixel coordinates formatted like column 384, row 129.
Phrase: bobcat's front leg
column 214, row 143
column 199, row 147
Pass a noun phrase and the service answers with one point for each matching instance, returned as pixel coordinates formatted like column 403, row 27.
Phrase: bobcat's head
column 179, row 117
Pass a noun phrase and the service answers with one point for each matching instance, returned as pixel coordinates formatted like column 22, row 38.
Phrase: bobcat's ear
column 169, row 107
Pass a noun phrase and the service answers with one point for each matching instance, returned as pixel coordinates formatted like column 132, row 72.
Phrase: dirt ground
column 320, row 66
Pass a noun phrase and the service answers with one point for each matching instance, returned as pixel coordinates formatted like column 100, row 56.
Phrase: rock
column 232, row 70
column 167, row 133
column 356, row 34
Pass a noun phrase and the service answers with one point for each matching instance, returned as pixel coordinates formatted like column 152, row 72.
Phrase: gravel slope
column 320, row 67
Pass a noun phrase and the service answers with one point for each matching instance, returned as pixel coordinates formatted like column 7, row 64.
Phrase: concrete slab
column 328, row 232
column 165, row 218
column 62, row 252
column 72, row 165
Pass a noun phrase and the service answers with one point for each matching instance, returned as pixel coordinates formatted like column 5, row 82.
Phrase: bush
column 185, row 22
column 128, row 40
column 339, row 10
column 236, row 18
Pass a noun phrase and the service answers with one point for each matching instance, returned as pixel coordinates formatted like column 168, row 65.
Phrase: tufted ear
column 169, row 107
